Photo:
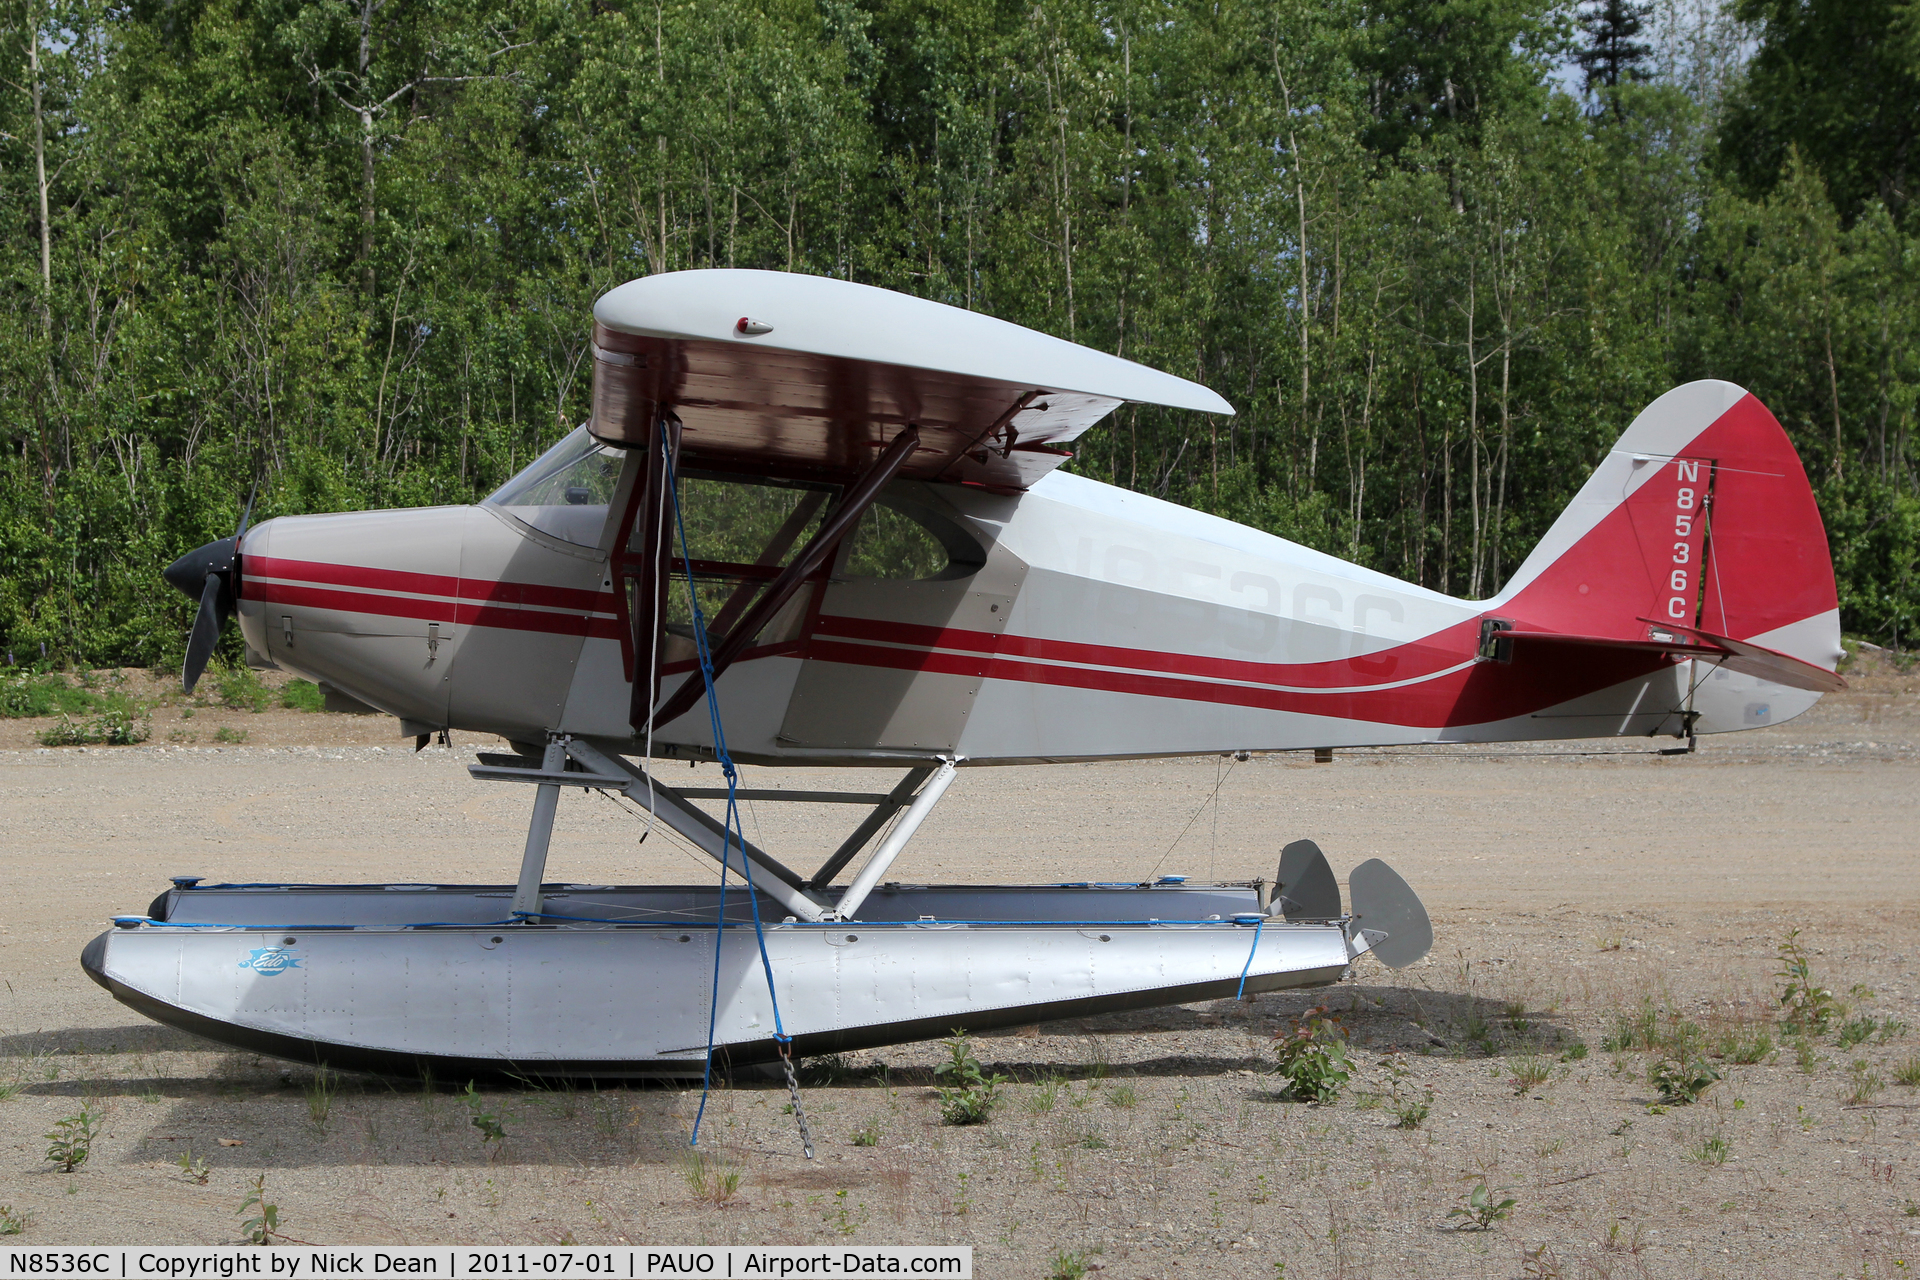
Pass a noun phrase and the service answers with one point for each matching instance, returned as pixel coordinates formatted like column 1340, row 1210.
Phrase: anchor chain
column 793, row 1091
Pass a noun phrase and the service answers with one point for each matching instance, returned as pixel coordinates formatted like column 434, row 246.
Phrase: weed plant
column 482, row 1117
column 1712, row 1150
column 1540, row 1263
column 1477, row 1031
column 13, row 1221
column 1681, row 1081
column 320, row 1095
column 196, row 1171
column 1481, row 1208
column 867, row 1135
column 1859, row 1030
column 1745, row 1047
column 115, row 727
column 1410, row 1114
column 1312, row 1058
column 969, row 1094
column 229, row 735
column 1126, row 1097
column 70, row 1141
column 1862, row 1082
column 1908, row 1073
column 264, row 1224
column 1530, row 1072
column 1654, row 1030
column 1066, row 1265
column 1805, row 1007
column 1042, row 1100
column 842, row 1214
column 1855, row 1031
column 46, row 694
column 239, row 688
column 711, row 1180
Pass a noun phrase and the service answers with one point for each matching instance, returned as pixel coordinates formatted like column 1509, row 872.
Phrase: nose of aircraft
column 188, row 574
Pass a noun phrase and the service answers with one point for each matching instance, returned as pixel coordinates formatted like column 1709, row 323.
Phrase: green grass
column 240, row 688
column 1712, row 1150
column 303, row 695
column 1530, row 1072
column 117, row 726
column 1746, row 1047
column 1652, row 1029
column 50, row 694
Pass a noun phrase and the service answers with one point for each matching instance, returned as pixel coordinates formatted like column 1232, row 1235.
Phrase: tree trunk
column 40, row 172
column 366, row 150
column 1300, row 200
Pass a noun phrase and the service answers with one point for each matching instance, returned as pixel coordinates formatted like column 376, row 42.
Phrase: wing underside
column 793, row 376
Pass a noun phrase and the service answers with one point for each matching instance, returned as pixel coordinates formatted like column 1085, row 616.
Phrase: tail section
column 1698, row 534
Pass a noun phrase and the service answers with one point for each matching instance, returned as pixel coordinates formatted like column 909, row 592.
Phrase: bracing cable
column 733, row 830
column 1219, row 781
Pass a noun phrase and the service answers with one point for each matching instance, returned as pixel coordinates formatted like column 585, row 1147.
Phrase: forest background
column 1438, row 252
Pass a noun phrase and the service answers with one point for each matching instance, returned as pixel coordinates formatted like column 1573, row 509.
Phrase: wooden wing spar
column 795, row 376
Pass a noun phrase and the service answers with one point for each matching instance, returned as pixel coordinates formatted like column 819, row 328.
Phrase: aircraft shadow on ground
column 135, row 1037
column 266, row 1103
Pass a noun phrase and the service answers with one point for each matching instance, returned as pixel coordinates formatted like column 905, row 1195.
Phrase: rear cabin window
column 889, row 543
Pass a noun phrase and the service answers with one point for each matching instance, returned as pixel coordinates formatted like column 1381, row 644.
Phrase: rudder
column 1700, row 516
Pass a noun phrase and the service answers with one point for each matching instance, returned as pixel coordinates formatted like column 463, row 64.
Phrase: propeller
column 207, row 574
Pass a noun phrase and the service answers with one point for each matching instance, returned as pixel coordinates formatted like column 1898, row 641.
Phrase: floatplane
column 814, row 523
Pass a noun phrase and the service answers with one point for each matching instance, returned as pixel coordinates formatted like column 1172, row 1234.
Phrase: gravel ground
column 1570, row 887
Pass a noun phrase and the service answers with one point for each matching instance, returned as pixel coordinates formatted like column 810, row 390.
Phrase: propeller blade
column 206, row 631
column 247, row 515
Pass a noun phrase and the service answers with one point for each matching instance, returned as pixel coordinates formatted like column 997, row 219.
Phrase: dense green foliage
column 348, row 250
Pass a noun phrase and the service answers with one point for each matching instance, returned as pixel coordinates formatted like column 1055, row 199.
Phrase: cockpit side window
column 565, row 491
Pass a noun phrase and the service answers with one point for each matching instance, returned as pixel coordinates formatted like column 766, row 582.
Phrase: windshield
column 564, row 492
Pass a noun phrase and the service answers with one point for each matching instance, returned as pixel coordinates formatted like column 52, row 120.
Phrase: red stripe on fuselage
column 511, row 606
column 427, row 584
column 1411, row 661
column 462, row 612
column 1479, row 694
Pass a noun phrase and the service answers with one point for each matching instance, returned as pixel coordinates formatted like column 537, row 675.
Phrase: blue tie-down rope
column 1258, row 926
column 733, row 828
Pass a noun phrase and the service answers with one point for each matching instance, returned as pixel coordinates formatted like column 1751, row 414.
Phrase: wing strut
column 890, row 804
column 836, row 526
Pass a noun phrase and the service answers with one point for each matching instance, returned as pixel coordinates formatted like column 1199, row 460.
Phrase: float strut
column 533, row 863
column 890, row 847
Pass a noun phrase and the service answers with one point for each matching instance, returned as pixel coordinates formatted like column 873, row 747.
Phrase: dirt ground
column 1569, row 892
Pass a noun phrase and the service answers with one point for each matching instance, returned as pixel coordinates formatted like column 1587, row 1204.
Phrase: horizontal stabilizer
column 1690, row 642
column 1755, row 660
